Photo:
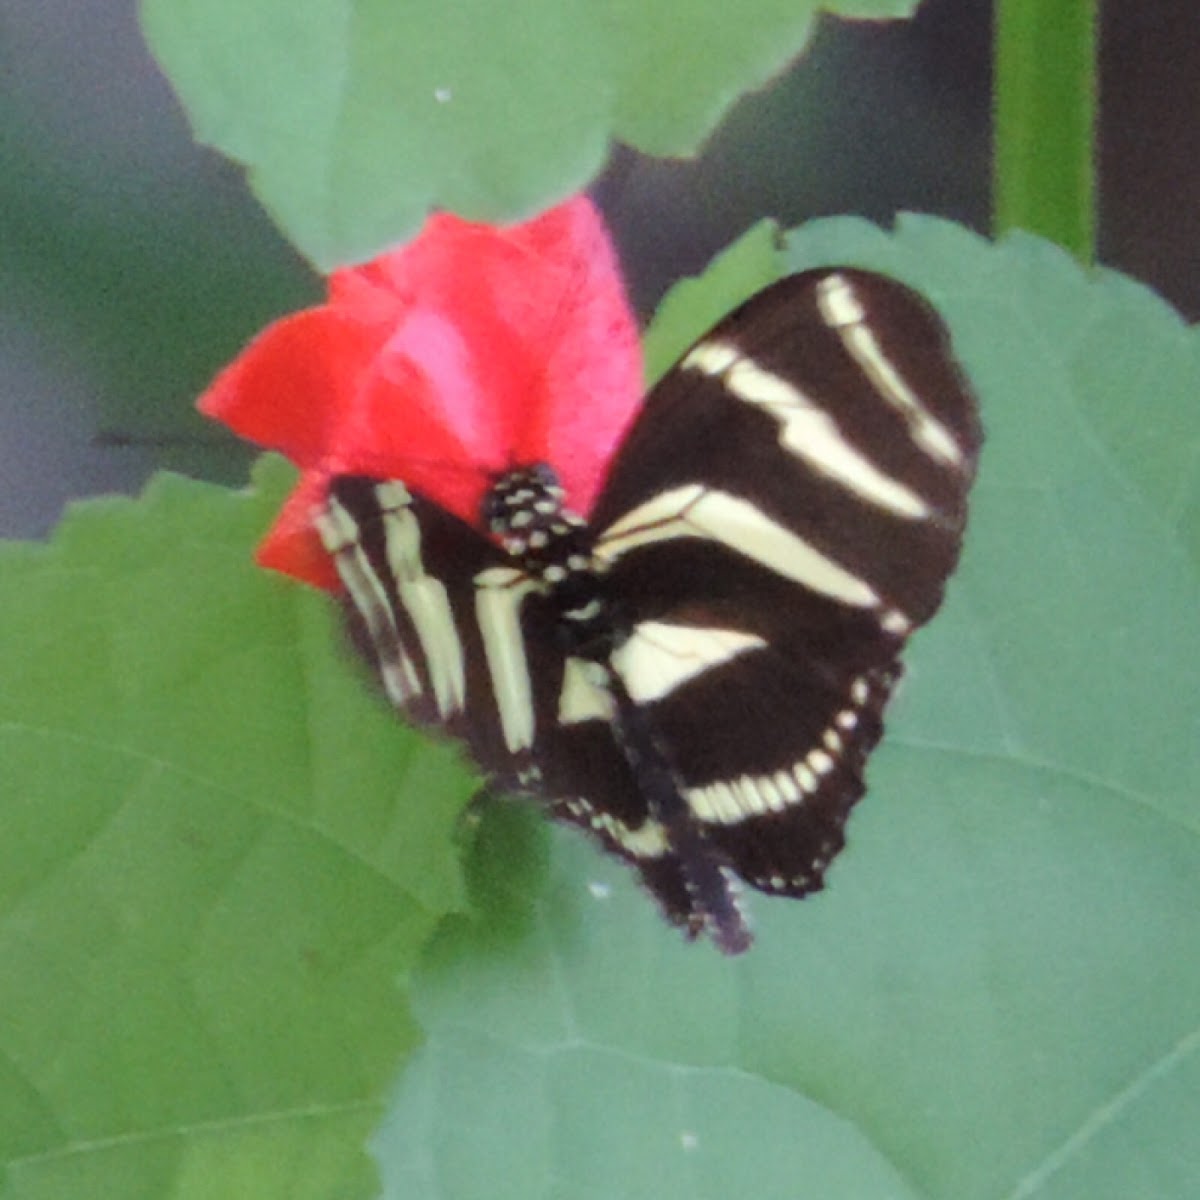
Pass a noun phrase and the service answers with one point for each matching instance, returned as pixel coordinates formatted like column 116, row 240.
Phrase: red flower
column 471, row 350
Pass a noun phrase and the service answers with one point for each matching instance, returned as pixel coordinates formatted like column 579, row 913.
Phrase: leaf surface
column 998, row 994
column 210, row 879
column 354, row 118
column 222, row 859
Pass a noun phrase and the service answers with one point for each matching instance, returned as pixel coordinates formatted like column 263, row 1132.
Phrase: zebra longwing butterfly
column 697, row 674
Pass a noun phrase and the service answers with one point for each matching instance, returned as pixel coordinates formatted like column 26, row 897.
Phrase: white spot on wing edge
column 744, row 797
column 499, row 592
column 648, row 840
column 659, row 655
column 841, row 310
column 806, row 777
column 820, row 761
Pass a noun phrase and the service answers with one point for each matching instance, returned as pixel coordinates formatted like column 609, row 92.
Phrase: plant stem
column 1045, row 118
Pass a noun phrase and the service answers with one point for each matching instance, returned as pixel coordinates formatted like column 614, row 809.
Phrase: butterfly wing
column 464, row 643
column 784, row 512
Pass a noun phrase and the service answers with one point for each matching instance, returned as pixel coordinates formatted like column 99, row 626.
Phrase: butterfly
column 696, row 673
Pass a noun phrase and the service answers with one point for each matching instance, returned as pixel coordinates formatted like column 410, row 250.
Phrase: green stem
column 1045, row 118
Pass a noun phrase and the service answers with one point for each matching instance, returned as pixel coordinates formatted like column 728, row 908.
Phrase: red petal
column 470, row 351
column 290, row 389
column 524, row 344
column 292, row 545
column 591, row 384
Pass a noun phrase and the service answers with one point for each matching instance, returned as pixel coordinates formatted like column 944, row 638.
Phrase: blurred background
column 133, row 263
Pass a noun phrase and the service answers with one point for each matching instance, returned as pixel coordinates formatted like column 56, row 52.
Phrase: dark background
column 133, row 263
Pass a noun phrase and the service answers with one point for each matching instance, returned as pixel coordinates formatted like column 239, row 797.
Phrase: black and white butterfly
column 698, row 673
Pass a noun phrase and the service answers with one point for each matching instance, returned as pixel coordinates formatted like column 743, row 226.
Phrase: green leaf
column 999, row 992
column 221, row 860
column 355, row 118
column 219, row 856
column 695, row 305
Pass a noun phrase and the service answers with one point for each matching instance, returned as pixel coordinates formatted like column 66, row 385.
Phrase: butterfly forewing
column 831, row 405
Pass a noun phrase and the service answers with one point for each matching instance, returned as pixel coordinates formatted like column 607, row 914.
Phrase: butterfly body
column 697, row 672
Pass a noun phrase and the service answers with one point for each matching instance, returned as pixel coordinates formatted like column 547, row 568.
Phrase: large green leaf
column 355, row 117
column 999, row 993
column 221, row 859
column 218, row 858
